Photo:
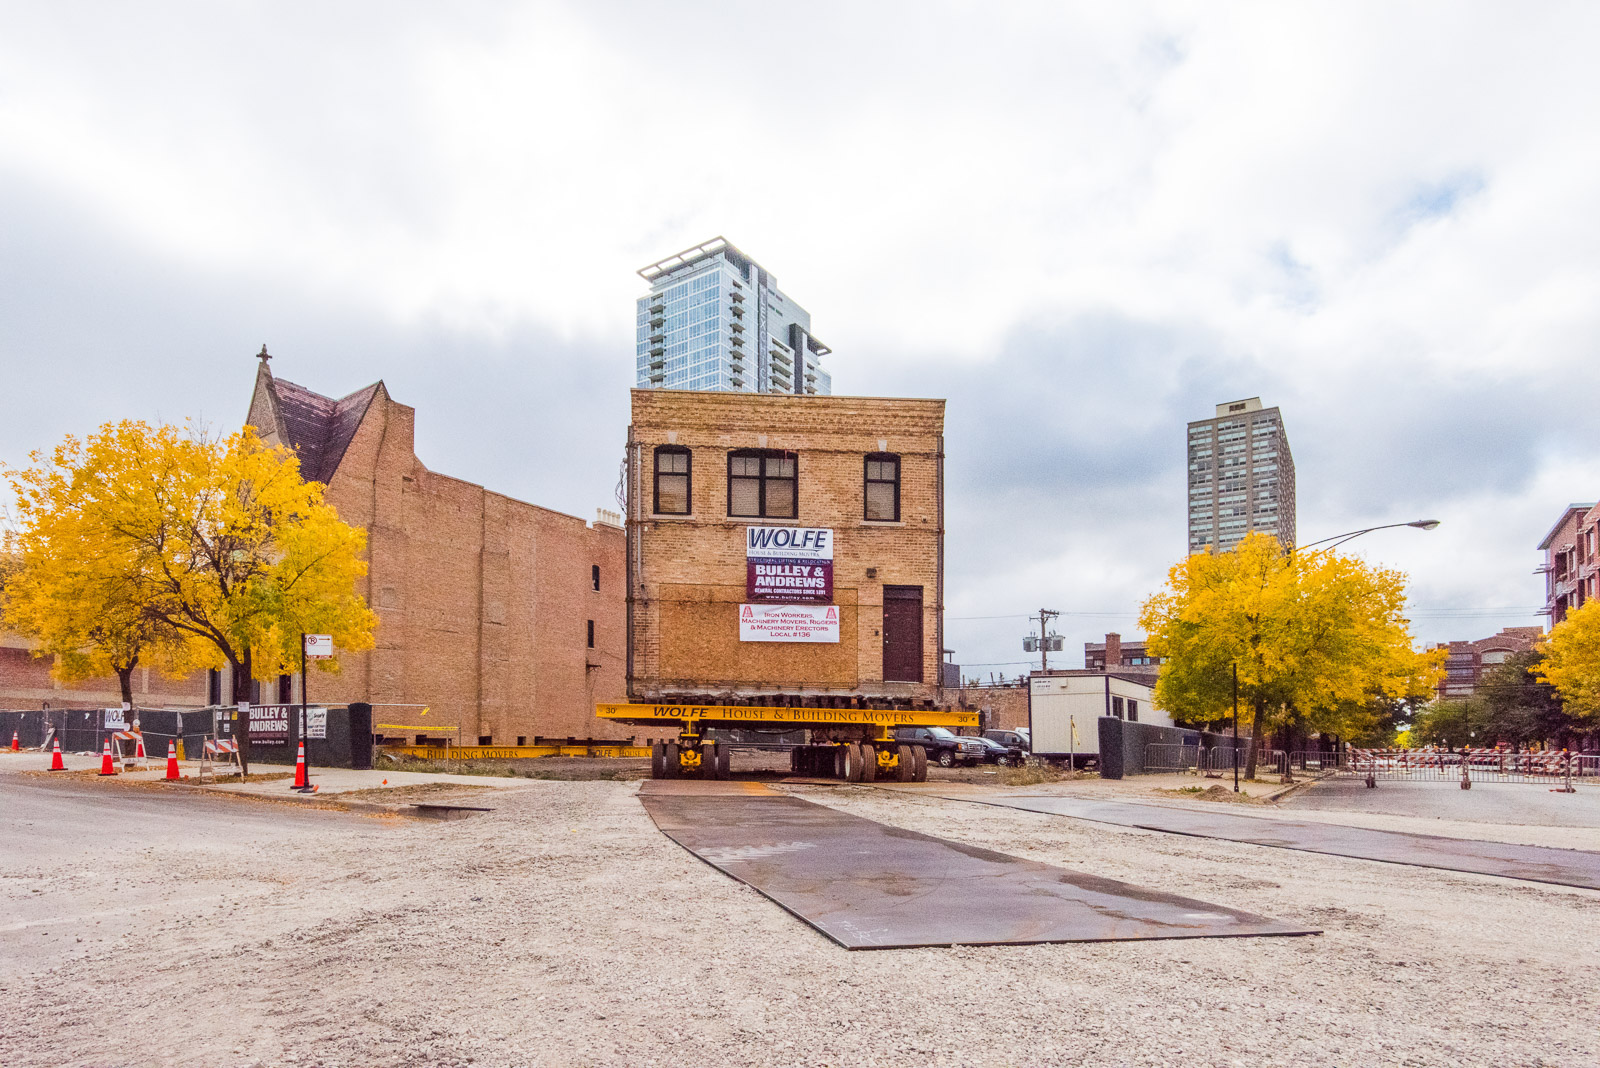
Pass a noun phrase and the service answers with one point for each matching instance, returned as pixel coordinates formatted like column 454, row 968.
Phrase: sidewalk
column 330, row 782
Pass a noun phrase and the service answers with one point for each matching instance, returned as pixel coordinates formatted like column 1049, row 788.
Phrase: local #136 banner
column 789, row 564
column 788, row 623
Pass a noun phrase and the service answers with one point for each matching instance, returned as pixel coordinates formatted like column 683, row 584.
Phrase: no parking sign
column 319, row 646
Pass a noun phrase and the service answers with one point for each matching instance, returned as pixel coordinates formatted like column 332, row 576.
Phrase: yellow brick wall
column 690, row 570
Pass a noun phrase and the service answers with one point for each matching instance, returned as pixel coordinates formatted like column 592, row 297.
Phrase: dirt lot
column 142, row 927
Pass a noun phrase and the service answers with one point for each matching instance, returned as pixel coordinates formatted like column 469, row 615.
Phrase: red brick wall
column 483, row 600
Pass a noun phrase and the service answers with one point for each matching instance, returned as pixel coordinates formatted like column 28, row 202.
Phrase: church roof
column 319, row 428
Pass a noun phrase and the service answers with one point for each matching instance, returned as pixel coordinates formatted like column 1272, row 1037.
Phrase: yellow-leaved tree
column 234, row 552
column 1572, row 662
column 1315, row 636
column 75, row 588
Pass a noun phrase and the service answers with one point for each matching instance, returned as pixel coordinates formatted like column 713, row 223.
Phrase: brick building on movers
column 1571, row 565
column 503, row 618
column 785, row 549
column 1466, row 662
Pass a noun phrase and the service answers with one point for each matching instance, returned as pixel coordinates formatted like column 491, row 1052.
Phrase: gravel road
column 563, row 929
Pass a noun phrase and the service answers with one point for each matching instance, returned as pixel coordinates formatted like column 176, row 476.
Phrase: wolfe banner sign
column 789, row 565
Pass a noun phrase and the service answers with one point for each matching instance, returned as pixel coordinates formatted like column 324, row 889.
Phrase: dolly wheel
column 669, row 755
column 724, row 760
column 658, row 760
column 869, row 762
column 919, row 759
column 906, row 769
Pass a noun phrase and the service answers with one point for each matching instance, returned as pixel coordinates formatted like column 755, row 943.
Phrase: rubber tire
column 724, row 763
column 1002, row 761
column 919, row 764
column 907, row 768
column 669, row 754
column 658, row 760
column 842, row 765
column 947, row 759
column 869, row 762
column 708, row 761
column 860, row 754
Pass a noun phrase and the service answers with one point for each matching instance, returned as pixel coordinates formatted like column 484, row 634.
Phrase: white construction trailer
column 1065, row 708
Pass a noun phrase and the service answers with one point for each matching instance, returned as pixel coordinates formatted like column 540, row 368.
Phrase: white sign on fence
column 788, row 623
column 316, row 723
column 319, row 646
column 116, row 719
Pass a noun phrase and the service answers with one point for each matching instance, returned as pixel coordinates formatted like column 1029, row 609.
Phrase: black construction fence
column 1147, row 749
column 340, row 736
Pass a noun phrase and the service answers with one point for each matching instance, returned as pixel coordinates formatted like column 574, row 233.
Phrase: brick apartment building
column 713, row 477
column 1467, row 661
column 1126, row 658
column 503, row 618
column 1571, row 565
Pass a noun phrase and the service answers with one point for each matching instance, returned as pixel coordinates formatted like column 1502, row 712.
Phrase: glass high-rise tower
column 715, row 319
column 1241, row 477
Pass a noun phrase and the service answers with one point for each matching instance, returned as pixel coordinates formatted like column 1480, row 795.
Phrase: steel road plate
column 867, row 885
column 1539, row 864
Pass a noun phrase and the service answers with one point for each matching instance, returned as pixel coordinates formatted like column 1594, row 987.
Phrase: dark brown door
column 902, row 633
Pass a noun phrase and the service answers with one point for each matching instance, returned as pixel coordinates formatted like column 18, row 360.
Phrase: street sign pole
column 304, row 721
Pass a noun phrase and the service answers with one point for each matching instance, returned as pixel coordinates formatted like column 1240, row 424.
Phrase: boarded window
column 672, row 487
column 763, row 484
column 881, row 492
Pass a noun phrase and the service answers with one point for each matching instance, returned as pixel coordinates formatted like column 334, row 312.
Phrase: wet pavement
column 867, row 885
column 1568, row 867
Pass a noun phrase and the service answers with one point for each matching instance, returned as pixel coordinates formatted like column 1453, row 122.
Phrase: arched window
column 881, row 487
column 763, row 484
column 673, row 480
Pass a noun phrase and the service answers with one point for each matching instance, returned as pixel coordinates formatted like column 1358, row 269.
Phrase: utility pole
column 1045, row 639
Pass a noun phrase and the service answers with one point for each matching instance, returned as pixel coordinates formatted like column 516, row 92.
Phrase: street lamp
column 1340, row 539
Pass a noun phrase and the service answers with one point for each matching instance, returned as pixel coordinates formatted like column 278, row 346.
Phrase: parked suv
column 1015, row 745
column 945, row 748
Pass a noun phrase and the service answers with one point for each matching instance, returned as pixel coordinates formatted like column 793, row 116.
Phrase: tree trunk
column 241, row 694
column 125, row 676
column 1255, row 737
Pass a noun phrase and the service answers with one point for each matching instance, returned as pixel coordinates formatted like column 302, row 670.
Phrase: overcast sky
column 1084, row 225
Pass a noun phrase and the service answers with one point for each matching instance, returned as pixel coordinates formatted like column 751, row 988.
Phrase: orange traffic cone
column 16, row 744
column 138, row 752
column 172, row 762
column 56, row 763
column 106, row 766
column 300, row 782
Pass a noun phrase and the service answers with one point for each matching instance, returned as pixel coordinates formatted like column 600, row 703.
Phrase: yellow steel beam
column 748, row 715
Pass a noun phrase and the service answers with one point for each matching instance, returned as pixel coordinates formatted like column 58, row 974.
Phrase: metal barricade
column 1467, row 766
column 1164, row 757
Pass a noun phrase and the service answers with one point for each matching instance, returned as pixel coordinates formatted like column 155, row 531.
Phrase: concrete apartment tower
column 1241, row 477
column 715, row 320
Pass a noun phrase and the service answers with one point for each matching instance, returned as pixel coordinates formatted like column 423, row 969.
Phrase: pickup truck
column 943, row 747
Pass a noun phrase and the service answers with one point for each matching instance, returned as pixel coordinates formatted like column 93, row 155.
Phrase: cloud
column 1084, row 225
